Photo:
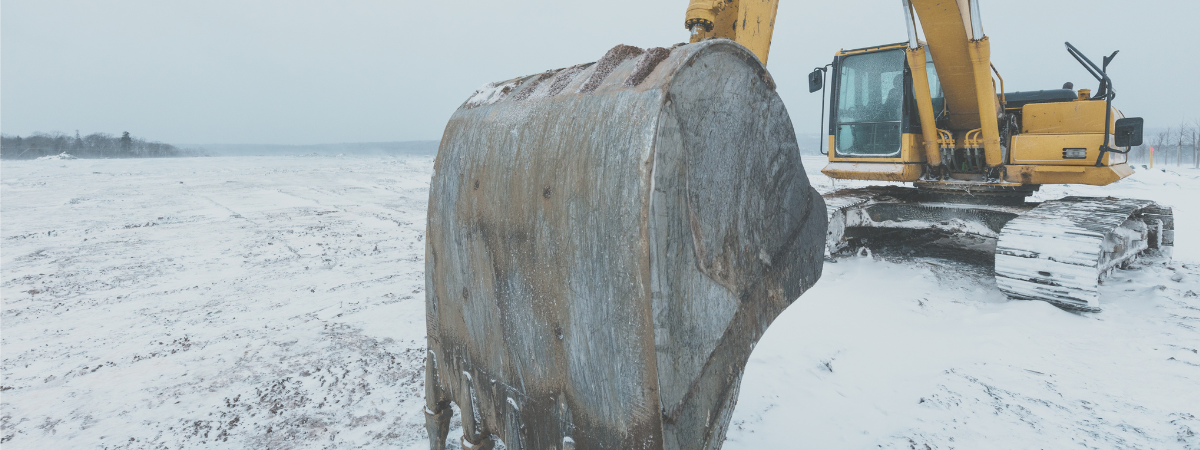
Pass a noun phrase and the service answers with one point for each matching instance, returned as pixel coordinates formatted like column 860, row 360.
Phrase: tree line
column 1177, row 146
column 95, row 145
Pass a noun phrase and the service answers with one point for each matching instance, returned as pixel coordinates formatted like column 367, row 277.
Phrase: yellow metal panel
column 911, row 151
column 1060, row 169
column 1084, row 116
column 875, row 171
column 1047, row 149
column 757, row 25
column 1090, row 175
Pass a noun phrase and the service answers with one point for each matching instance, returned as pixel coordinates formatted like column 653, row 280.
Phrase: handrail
column 824, row 133
column 1003, row 99
column 1100, row 74
column 1106, row 92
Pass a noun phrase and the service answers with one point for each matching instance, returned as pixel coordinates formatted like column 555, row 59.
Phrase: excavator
column 927, row 112
column 607, row 242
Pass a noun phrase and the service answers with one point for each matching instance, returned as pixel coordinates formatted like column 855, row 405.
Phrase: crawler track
column 1060, row 250
column 1056, row 251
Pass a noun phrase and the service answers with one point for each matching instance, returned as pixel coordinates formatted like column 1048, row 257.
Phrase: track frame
column 1056, row 251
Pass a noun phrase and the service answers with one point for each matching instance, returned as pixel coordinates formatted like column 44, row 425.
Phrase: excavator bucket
column 606, row 243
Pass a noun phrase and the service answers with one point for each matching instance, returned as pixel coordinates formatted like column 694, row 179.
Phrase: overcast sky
column 307, row 71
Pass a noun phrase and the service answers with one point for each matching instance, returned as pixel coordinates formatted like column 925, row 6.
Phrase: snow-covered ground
column 277, row 302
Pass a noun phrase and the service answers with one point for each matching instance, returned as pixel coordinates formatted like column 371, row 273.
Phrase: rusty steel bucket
column 606, row 243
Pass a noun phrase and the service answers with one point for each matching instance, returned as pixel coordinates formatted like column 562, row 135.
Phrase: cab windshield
column 870, row 106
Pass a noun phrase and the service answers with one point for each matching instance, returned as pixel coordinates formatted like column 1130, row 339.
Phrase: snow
column 58, row 157
column 491, row 93
column 249, row 302
column 927, row 355
column 213, row 302
column 918, row 355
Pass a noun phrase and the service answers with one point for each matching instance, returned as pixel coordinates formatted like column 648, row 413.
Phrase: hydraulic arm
column 747, row 22
column 962, row 54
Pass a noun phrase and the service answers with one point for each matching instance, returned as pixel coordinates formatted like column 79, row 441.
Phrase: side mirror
column 1128, row 132
column 816, row 80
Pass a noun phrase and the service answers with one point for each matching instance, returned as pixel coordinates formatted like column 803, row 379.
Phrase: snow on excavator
column 607, row 242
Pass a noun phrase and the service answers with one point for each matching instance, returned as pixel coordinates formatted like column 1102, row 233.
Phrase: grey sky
column 299, row 72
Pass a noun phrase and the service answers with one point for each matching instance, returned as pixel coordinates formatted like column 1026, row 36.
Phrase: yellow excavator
column 931, row 113
column 607, row 242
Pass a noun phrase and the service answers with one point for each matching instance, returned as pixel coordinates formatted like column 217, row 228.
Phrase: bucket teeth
column 606, row 65
column 646, row 64
column 531, row 87
column 555, row 82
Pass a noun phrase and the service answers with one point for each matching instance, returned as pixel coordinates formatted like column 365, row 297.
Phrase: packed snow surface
column 58, row 157
column 277, row 302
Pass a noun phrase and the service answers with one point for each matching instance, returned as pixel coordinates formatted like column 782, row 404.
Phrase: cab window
column 870, row 107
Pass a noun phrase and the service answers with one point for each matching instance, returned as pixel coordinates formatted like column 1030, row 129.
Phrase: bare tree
column 1180, row 136
column 1161, row 140
column 1196, row 143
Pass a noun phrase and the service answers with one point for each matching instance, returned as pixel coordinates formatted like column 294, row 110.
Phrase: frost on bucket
column 606, row 244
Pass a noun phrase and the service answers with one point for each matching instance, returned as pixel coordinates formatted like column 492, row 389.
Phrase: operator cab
column 874, row 106
column 1056, row 136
